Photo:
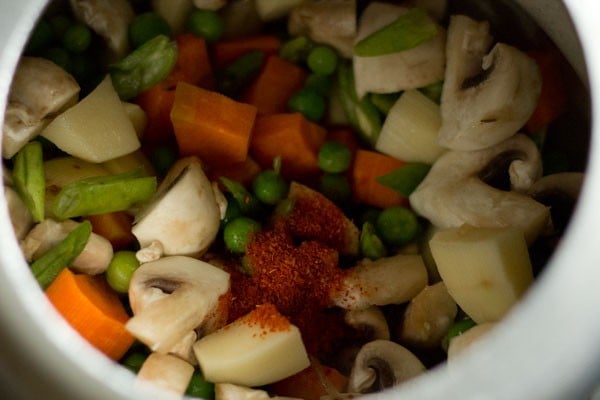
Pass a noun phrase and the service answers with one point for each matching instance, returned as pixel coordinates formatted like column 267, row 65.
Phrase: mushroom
column 40, row 89
column 389, row 280
column 487, row 97
column 559, row 191
column 382, row 364
column 370, row 321
column 108, row 18
column 166, row 372
column 331, row 22
column 428, row 317
column 193, row 290
column 455, row 191
column 93, row 259
column 20, row 216
column 182, row 230
column 408, row 69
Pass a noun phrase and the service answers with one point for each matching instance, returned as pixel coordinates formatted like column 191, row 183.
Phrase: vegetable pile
column 292, row 198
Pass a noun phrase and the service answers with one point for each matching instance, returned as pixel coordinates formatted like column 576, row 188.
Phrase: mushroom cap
column 371, row 321
column 171, row 297
column 487, row 97
column 382, row 364
column 454, row 192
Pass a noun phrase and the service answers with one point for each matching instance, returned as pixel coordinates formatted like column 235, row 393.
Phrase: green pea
column 370, row 243
column 297, row 49
column 200, row 387
column 397, row 225
column 269, row 187
column 322, row 60
column 206, row 24
column 77, row 38
column 334, row 157
column 309, row 103
column 238, row 233
column 121, row 269
column 147, row 26
column 335, row 187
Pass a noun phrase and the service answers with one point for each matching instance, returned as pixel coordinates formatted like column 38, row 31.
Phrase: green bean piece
column 405, row 179
column 240, row 73
column 406, row 32
column 384, row 101
column 238, row 233
column 321, row 84
column 146, row 26
column 48, row 266
column 29, row 178
column 144, row 67
column 249, row 204
column 335, row 187
column 309, row 103
column 322, row 60
column 200, row 387
column 232, row 211
column 296, row 50
column 207, row 24
column 397, row 225
column 334, row 157
column 460, row 327
column 103, row 194
column 269, row 187
column 134, row 361
column 361, row 113
column 163, row 157
column 77, row 38
column 371, row 246
column 121, row 269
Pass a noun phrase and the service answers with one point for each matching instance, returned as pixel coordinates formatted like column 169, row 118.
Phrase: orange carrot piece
column 157, row 103
column 115, row 227
column 367, row 167
column 211, row 126
column 307, row 384
column 93, row 309
column 553, row 98
column 226, row 51
column 243, row 172
column 193, row 63
column 274, row 86
column 292, row 137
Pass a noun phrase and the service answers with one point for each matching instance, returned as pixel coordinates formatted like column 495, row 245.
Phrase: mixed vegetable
column 291, row 198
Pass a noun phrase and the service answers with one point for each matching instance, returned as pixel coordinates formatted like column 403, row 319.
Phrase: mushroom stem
column 167, row 372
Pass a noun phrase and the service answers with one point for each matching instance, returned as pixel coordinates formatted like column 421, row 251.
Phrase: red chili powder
column 268, row 318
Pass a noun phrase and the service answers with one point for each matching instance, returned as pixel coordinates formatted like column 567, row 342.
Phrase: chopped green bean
column 384, row 101
column 371, row 245
column 249, row 204
column 460, row 327
column 406, row 32
column 48, row 266
column 405, row 179
column 144, row 67
column 319, row 83
column 237, row 75
column 200, row 387
column 29, row 178
column 433, row 91
column 297, row 49
column 103, row 194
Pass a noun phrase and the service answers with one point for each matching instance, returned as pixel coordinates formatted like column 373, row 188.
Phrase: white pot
column 548, row 348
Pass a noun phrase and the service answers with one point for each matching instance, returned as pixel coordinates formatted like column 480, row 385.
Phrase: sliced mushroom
column 560, row 192
column 20, row 216
column 390, row 280
column 330, row 22
column 409, row 69
column 428, row 317
column 487, row 97
column 382, row 364
column 455, row 193
column 108, row 18
column 40, row 89
column 370, row 321
column 182, row 230
column 194, row 289
column 93, row 259
column 166, row 372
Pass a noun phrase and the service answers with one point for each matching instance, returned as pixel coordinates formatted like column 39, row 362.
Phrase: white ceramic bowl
column 548, row 348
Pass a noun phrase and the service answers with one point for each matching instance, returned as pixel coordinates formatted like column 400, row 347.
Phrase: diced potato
column 269, row 10
column 175, row 12
column 246, row 353
column 96, row 129
column 128, row 162
column 137, row 116
column 411, row 129
column 486, row 270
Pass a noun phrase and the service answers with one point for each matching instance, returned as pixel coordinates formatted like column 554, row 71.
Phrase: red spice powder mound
column 267, row 318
